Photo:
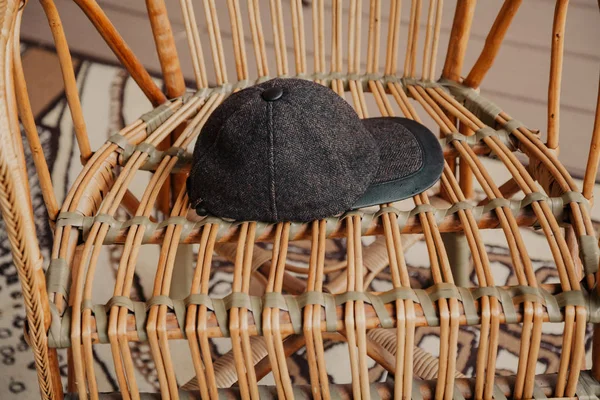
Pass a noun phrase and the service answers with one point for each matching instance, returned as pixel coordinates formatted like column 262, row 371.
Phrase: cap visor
column 411, row 160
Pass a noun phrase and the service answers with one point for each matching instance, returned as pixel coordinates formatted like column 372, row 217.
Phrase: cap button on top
column 272, row 94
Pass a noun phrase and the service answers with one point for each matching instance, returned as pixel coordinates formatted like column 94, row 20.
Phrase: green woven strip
column 422, row 209
column 186, row 225
column 199, row 299
column 68, row 218
column 501, row 203
column 330, row 313
column 538, row 393
column 498, row 393
column 488, row 131
column 485, row 110
column 398, row 294
column 531, row 197
column 275, row 300
column 416, row 390
column 237, row 300
column 175, row 151
column 442, row 291
column 365, row 219
column 221, row 315
column 479, row 135
column 343, row 298
column 256, row 309
column 588, row 251
column 58, row 277
column 460, row 206
column 59, row 334
column 384, row 319
column 155, row 157
column 407, row 81
column 512, row 125
column 401, row 217
column 311, row 298
column 335, row 393
column 587, row 387
column 521, row 294
column 294, row 305
column 295, row 314
column 450, row 291
column 552, row 306
column 345, row 79
column 117, row 228
column 146, row 148
column 145, row 222
column 510, row 313
column 100, row 313
column 469, row 308
column 593, row 307
column 575, row 197
column 139, row 310
column 427, row 307
column 119, row 301
column 105, row 219
column 156, row 117
column 122, row 142
column 571, row 298
column 369, row 298
column 177, row 306
column 457, row 394
column 374, row 393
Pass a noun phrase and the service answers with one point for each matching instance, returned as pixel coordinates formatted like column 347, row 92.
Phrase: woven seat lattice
column 276, row 308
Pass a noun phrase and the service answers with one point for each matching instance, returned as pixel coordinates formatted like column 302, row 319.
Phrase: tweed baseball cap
column 293, row 150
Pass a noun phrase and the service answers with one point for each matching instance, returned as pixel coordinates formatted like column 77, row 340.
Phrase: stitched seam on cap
column 272, row 161
column 206, row 153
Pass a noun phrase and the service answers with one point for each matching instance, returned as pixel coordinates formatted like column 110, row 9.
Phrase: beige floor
column 518, row 81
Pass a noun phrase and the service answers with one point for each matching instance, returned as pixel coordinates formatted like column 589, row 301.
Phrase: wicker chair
column 302, row 307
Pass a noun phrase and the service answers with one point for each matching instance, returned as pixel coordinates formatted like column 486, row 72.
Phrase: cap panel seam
column 206, row 152
column 197, row 162
column 272, row 160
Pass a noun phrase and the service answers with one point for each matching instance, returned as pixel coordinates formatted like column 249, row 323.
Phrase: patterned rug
column 110, row 100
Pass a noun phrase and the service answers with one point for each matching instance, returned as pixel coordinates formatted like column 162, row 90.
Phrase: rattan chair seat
column 296, row 309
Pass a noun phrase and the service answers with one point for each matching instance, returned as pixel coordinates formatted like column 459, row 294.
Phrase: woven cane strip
column 551, row 174
column 523, row 267
column 559, row 182
column 190, row 231
column 381, row 311
column 521, row 261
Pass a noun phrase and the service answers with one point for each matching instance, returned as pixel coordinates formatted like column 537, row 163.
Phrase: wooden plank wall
column 518, row 81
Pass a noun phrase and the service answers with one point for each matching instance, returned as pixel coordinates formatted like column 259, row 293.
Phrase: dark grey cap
column 293, row 150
